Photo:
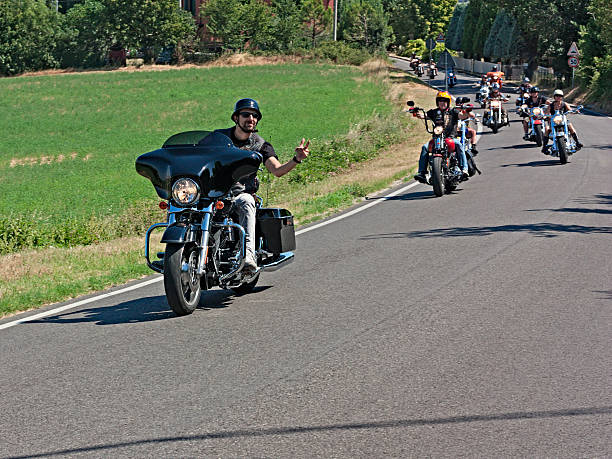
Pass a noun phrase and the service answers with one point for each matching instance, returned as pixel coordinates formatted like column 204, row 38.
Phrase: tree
column 412, row 19
column 239, row 23
column 504, row 38
column 93, row 26
column 454, row 32
column 316, row 19
column 365, row 24
column 30, row 31
column 286, row 24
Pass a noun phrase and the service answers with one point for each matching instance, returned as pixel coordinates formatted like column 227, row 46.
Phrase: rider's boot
column 420, row 177
column 474, row 150
column 545, row 146
column 578, row 144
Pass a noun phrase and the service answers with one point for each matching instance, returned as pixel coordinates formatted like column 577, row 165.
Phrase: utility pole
column 335, row 20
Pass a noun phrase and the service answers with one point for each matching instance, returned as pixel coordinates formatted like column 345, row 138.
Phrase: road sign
column 430, row 43
column 573, row 51
column 440, row 38
column 573, row 62
column 445, row 60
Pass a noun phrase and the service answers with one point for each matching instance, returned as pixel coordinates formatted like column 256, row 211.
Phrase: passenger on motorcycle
column 465, row 113
column 495, row 94
column 535, row 100
column 448, row 117
column 558, row 104
column 244, row 135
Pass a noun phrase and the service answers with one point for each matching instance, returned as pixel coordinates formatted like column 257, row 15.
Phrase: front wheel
column 181, row 282
column 562, row 146
column 494, row 127
column 437, row 178
column 538, row 134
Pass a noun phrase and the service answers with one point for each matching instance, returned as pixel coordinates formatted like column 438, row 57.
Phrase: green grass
column 70, row 141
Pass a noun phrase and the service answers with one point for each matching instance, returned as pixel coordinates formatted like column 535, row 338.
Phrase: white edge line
column 157, row 279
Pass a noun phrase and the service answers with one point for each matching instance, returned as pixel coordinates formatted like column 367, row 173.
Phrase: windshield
column 202, row 138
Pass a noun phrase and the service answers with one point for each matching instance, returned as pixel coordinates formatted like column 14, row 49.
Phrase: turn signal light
column 219, row 205
column 163, row 205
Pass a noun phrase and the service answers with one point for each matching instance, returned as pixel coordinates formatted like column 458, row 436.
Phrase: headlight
column 438, row 130
column 558, row 120
column 537, row 111
column 185, row 192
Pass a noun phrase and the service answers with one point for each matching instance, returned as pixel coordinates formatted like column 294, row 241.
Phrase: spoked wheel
column 181, row 282
column 437, row 180
column 562, row 150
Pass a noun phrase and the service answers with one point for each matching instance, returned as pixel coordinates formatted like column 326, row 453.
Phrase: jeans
column 245, row 203
column 458, row 149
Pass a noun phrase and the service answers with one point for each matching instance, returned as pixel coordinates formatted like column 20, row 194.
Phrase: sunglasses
column 247, row 114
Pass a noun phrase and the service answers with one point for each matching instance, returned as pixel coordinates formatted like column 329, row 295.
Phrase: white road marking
column 55, row 311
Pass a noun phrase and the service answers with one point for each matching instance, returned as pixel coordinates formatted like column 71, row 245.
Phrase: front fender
column 179, row 233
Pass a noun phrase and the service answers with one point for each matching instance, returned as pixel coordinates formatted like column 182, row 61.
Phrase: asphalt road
column 476, row 324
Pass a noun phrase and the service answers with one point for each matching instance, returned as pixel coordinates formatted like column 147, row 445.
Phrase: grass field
column 356, row 155
column 69, row 141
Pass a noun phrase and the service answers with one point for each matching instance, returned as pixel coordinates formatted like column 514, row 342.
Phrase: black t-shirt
column 267, row 150
column 540, row 100
column 447, row 118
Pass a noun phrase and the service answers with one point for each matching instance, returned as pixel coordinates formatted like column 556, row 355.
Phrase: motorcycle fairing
column 210, row 158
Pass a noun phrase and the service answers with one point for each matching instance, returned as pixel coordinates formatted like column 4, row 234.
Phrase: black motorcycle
column 193, row 172
column 445, row 173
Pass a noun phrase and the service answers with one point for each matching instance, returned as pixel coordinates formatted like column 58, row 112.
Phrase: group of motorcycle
column 419, row 67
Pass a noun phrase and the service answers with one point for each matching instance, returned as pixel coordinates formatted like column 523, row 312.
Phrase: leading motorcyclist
column 558, row 104
column 447, row 117
column 496, row 76
column 244, row 135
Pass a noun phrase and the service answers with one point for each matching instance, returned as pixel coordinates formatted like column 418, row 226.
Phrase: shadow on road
column 519, row 146
column 536, row 229
column 276, row 431
column 417, row 195
column 140, row 310
column 549, row 162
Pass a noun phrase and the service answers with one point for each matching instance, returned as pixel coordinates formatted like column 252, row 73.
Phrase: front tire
column 181, row 282
column 539, row 137
column 562, row 146
column 494, row 127
column 437, row 179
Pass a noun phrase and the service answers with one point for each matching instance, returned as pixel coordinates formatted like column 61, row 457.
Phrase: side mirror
column 410, row 103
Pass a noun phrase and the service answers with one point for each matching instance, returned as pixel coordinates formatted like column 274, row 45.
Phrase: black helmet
column 246, row 103
column 494, row 68
column 534, row 89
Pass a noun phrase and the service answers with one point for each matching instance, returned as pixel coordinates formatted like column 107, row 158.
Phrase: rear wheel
column 437, row 180
column 538, row 134
column 181, row 282
column 562, row 150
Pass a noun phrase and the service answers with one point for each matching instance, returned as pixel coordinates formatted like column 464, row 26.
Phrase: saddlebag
column 276, row 227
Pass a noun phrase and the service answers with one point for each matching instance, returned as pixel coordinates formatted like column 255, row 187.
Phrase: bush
column 339, row 52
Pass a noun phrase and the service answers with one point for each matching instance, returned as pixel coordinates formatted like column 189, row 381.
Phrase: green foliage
column 454, row 32
column 416, row 46
column 411, row 19
column 316, row 19
column 504, row 40
column 30, row 31
column 286, row 27
column 339, row 52
column 94, row 25
column 365, row 23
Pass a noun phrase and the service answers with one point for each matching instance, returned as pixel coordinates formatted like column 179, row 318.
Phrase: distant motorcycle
column 451, row 78
column 494, row 117
column 445, row 173
column 432, row 71
column 482, row 95
column 563, row 145
column 193, row 172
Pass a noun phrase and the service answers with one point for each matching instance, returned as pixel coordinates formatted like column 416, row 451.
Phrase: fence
column 544, row 75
